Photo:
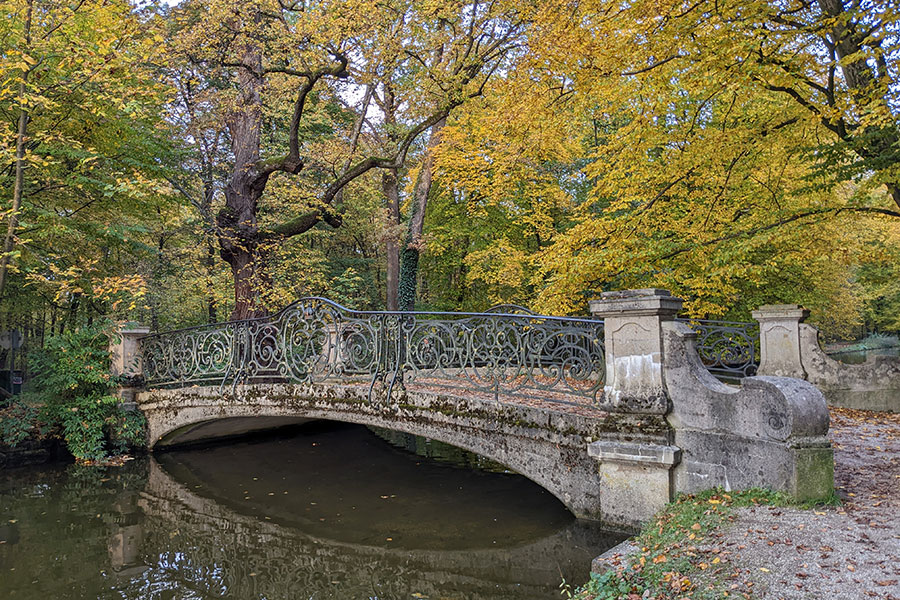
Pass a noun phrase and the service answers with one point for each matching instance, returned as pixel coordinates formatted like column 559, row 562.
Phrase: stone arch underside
column 547, row 446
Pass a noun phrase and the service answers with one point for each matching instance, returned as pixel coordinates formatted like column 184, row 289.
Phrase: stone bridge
column 613, row 417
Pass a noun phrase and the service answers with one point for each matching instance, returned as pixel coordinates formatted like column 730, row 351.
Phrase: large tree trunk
column 211, row 315
column 390, row 187
column 409, row 266
column 18, row 186
column 238, row 229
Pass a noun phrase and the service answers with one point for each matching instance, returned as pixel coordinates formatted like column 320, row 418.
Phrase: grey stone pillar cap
column 769, row 312
column 648, row 301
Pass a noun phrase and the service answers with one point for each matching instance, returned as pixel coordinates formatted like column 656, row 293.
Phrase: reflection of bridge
column 219, row 550
column 613, row 417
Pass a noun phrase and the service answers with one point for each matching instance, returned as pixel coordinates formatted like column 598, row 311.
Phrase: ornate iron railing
column 728, row 349
column 315, row 340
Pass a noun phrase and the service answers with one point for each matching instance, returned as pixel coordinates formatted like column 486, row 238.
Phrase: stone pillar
column 125, row 355
column 636, row 469
column 779, row 340
column 634, row 348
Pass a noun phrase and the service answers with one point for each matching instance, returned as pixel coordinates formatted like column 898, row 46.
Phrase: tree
column 689, row 164
column 78, row 162
column 270, row 51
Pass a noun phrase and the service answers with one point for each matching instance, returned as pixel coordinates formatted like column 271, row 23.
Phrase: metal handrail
column 314, row 339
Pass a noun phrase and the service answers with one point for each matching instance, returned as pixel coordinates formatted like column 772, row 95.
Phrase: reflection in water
column 327, row 512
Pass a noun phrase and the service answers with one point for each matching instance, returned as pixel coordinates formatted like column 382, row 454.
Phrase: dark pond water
column 325, row 511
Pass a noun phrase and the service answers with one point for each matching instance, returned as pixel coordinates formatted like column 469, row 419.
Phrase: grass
column 677, row 556
column 871, row 342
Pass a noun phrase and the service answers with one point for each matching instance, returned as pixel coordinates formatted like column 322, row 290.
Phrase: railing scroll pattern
column 315, row 340
column 728, row 349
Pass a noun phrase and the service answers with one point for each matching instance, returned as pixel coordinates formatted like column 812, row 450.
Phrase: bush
column 73, row 384
column 17, row 421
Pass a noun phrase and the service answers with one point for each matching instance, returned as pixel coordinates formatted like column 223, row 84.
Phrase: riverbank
column 754, row 545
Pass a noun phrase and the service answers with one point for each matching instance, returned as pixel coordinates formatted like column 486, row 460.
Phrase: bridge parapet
column 315, row 340
column 791, row 347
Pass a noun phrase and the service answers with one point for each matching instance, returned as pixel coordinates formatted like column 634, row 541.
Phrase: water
column 860, row 356
column 326, row 511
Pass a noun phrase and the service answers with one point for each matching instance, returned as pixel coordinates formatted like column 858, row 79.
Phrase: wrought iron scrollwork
column 315, row 340
column 728, row 349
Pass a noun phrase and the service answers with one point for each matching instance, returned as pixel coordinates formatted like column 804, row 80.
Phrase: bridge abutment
column 769, row 432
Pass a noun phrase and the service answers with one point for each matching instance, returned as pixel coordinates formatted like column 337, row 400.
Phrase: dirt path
column 850, row 551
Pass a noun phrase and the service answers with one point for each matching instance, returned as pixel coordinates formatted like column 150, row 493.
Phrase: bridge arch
column 547, row 446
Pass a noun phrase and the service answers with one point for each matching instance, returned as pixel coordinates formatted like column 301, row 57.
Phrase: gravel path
column 846, row 552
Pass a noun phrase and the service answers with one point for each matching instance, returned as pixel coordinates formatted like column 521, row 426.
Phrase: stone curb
column 612, row 557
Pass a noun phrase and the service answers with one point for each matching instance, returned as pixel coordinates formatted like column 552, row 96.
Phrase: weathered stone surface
column 639, row 454
column 633, row 345
column 873, row 385
column 790, row 347
column 125, row 351
column 640, row 474
column 778, row 337
column 126, row 362
column 547, row 446
column 768, row 433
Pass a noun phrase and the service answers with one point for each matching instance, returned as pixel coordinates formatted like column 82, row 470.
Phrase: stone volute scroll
column 769, row 432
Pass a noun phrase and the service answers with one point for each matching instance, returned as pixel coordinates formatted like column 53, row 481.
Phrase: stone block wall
column 770, row 432
column 788, row 346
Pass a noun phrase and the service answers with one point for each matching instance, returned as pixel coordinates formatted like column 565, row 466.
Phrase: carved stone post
column 634, row 350
column 636, row 463
column 125, row 354
column 779, row 340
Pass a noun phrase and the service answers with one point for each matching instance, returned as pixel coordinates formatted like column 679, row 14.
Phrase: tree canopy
column 181, row 164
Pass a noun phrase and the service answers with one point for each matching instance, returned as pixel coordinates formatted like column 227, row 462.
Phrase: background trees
column 722, row 150
column 277, row 59
column 79, row 160
column 219, row 157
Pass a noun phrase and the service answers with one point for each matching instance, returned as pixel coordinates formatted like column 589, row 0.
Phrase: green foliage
column 83, row 419
column 669, row 548
column 127, row 429
column 347, row 288
column 74, row 387
column 17, row 421
column 71, row 365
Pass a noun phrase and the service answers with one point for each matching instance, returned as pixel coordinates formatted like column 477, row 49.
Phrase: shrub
column 73, row 384
column 17, row 421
